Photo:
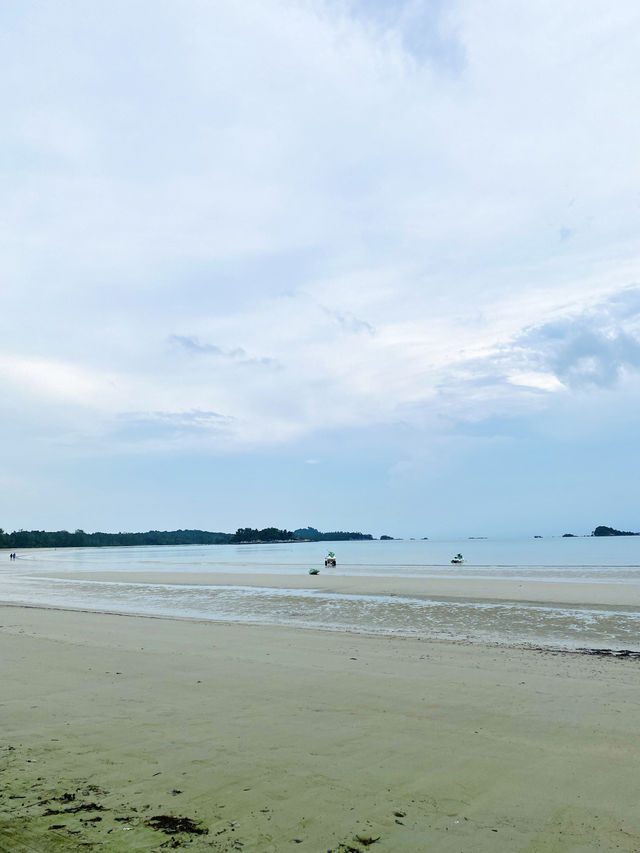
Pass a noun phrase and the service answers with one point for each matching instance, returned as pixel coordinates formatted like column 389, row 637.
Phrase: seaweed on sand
column 170, row 824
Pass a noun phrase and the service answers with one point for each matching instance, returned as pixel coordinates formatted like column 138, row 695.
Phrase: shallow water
column 608, row 560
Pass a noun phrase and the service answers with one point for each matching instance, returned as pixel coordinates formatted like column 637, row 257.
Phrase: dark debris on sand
column 75, row 817
column 84, row 807
column 170, row 825
column 611, row 653
column 618, row 654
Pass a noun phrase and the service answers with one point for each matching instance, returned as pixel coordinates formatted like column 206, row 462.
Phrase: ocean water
column 30, row 579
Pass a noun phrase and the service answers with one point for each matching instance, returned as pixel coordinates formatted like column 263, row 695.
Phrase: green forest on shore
column 244, row 535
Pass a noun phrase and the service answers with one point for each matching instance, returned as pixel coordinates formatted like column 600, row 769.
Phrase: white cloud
column 543, row 381
column 57, row 381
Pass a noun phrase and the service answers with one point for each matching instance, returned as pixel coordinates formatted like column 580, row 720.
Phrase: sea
column 31, row 579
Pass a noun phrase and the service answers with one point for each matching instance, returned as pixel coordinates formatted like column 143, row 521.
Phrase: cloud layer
column 233, row 228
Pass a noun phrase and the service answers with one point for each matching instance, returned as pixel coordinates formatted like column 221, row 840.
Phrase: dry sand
column 275, row 739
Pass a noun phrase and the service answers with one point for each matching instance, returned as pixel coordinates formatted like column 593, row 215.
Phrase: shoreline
column 507, row 612
column 620, row 653
column 274, row 739
column 524, row 646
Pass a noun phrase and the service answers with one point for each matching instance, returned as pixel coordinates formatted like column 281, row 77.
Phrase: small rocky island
column 602, row 530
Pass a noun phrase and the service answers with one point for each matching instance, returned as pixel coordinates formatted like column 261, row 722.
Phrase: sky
column 357, row 264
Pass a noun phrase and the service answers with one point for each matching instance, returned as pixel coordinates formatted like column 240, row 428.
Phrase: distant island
column 247, row 535
column 312, row 535
column 243, row 535
column 602, row 530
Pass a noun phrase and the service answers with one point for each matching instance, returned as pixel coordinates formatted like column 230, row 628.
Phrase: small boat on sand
column 458, row 559
column 314, row 571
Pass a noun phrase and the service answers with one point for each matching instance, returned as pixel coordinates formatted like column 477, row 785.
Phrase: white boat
column 458, row 559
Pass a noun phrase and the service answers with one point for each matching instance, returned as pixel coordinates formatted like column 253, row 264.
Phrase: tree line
column 80, row 539
column 332, row 536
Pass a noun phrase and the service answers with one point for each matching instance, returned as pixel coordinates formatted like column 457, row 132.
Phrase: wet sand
column 461, row 588
column 267, row 739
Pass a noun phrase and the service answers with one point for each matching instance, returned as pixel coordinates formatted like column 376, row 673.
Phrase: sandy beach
column 125, row 733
